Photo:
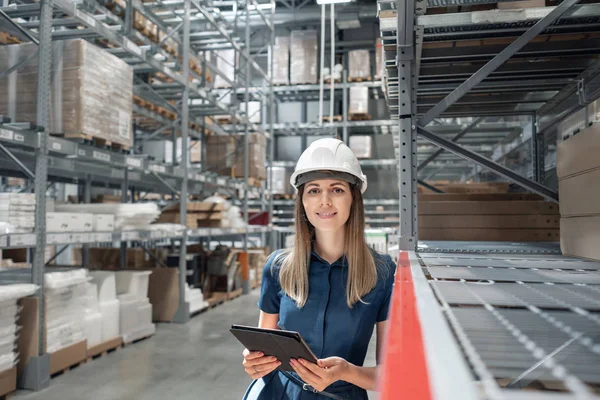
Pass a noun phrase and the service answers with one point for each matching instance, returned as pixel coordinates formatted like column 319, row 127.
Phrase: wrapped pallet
column 304, row 63
column 359, row 68
column 359, row 100
column 90, row 91
column 578, row 170
column 225, row 64
column 225, row 155
column 281, row 61
column 254, row 111
column 378, row 59
column 362, row 145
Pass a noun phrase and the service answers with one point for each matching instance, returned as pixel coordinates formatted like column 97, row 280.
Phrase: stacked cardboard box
column 468, row 188
column 102, row 258
column 303, row 45
column 359, row 65
column 359, row 100
column 91, row 92
column 578, row 170
column 18, row 211
column 378, row 59
column 281, row 61
column 199, row 214
column 487, row 217
column 225, row 155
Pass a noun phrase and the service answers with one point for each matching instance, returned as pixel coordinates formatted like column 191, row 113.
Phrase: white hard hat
column 328, row 155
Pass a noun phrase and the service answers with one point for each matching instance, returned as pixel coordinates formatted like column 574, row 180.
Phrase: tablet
column 284, row 345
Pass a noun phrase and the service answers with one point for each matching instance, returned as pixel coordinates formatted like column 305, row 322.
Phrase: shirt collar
column 341, row 262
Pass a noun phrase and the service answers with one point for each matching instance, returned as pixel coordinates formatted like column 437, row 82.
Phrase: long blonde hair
column 362, row 269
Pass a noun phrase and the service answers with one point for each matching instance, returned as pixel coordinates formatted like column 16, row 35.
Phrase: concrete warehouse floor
column 199, row 360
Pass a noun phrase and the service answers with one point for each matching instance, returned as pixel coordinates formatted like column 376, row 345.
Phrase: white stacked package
column 362, row 145
column 9, row 315
column 126, row 216
column 195, row 298
column 108, row 304
column 359, row 65
column 135, row 307
column 378, row 58
column 281, row 61
column 359, row 100
column 92, row 320
column 65, row 296
column 226, row 64
column 69, row 222
column 254, row 111
column 18, row 211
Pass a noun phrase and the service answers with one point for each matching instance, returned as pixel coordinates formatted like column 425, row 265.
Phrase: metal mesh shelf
column 522, row 275
column 433, row 246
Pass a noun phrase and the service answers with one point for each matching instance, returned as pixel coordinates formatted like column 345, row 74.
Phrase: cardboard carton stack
column 199, row 214
column 9, row 315
column 17, row 210
column 359, row 100
column 135, row 308
column 225, row 156
column 281, row 61
column 578, row 170
column 91, row 92
column 103, row 258
column 359, row 68
column 487, row 217
column 303, row 45
column 378, row 58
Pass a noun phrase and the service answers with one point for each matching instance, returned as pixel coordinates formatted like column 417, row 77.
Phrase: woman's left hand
column 323, row 374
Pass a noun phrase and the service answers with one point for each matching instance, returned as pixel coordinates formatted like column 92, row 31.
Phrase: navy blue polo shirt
column 327, row 324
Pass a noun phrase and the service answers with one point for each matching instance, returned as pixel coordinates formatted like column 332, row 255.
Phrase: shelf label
column 6, row 134
column 158, row 168
column 23, row 240
column 88, row 19
column 56, row 146
column 132, row 47
column 133, row 162
column 19, row 138
column 101, row 156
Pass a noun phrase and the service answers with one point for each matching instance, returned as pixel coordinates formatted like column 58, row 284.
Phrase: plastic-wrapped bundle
column 225, row 64
column 304, row 63
column 90, row 93
column 359, row 100
column 127, row 216
column 281, row 60
column 17, row 211
column 362, row 145
column 359, row 65
column 378, row 58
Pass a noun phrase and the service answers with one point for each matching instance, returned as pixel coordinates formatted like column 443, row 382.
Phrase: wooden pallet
column 359, row 117
column 104, row 349
column 137, row 340
column 95, row 141
column 336, row 118
column 6, row 38
column 67, row 369
column 283, row 197
column 359, row 79
column 328, row 81
column 225, row 119
column 258, row 183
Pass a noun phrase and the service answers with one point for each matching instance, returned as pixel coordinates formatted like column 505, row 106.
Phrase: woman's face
column 327, row 203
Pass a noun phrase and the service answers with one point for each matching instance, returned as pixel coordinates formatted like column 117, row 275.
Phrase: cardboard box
column 378, row 58
column 359, row 100
column 104, row 223
column 477, row 197
column 511, row 5
column 493, row 235
column 163, row 292
column 8, row 381
column 303, row 45
column 225, row 156
column 362, row 145
column 580, row 194
column 71, row 355
column 580, row 236
column 487, row 208
column 58, row 222
column 281, row 60
column 91, row 93
column 359, row 65
column 579, row 153
column 489, row 221
column 110, row 258
column 82, row 222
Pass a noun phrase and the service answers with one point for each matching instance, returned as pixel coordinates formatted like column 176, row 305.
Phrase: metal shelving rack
column 501, row 316
column 28, row 146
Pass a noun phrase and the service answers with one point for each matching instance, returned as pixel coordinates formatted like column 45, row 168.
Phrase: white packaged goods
column 127, row 216
column 195, row 298
column 110, row 311
column 254, row 111
column 69, row 222
column 91, row 90
column 91, row 298
column 304, row 62
column 226, row 64
column 93, row 329
column 359, row 65
column 17, row 212
column 280, row 185
column 135, row 318
column 107, row 287
column 133, row 283
column 362, row 146
column 104, row 223
column 9, row 315
column 281, row 60
column 378, row 58
column 359, row 100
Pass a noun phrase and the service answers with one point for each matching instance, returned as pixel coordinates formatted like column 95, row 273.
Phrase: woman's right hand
column 258, row 365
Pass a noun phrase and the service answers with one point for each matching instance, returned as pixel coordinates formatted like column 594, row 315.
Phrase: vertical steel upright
column 246, row 282
column 405, row 60
column 537, row 152
column 36, row 375
column 183, row 312
column 273, row 235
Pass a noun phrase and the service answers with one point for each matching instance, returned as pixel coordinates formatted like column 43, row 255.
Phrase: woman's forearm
column 364, row 377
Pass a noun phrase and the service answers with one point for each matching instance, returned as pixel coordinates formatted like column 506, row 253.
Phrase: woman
column 331, row 288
